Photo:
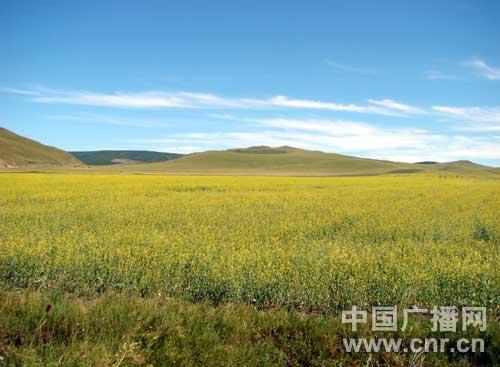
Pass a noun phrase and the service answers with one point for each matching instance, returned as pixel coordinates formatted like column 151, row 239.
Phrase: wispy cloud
column 382, row 107
column 448, row 148
column 438, row 75
column 350, row 68
column 26, row 92
column 396, row 106
column 182, row 99
column 472, row 118
column 116, row 99
column 482, row 69
column 106, row 119
column 332, row 127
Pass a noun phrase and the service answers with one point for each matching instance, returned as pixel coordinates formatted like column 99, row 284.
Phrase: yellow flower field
column 313, row 244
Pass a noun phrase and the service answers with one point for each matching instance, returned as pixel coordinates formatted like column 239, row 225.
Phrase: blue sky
column 401, row 80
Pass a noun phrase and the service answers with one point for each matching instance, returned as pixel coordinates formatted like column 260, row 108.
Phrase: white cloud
column 374, row 106
column 334, row 127
column 448, row 148
column 182, row 99
column 118, row 99
column 483, row 69
column 438, row 75
column 472, row 118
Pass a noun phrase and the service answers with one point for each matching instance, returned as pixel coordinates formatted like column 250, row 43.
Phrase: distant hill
column 285, row 160
column 464, row 167
column 106, row 157
column 278, row 161
column 16, row 150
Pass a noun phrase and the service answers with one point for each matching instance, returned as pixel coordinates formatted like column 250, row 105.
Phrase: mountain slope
column 16, row 150
column 278, row 161
column 105, row 157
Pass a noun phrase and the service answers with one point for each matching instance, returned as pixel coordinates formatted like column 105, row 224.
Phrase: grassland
column 287, row 253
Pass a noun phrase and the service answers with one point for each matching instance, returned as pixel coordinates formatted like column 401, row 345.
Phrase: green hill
column 277, row 161
column 16, row 150
column 106, row 157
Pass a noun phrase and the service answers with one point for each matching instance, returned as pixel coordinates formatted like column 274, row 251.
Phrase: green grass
column 16, row 150
column 106, row 157
column 123, row 330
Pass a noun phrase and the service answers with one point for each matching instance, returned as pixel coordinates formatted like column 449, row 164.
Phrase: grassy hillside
column 16, row 150
column 278, row 161
column 106, row 157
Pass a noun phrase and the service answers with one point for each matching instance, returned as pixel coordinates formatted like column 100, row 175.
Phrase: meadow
column 303, row 246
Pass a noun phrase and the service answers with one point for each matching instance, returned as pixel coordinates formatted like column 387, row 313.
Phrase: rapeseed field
column 306, row 244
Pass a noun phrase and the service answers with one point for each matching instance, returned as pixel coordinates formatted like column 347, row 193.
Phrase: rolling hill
column 16, row 150
column 289, row 161
column 263, row 160
column 107, row 157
